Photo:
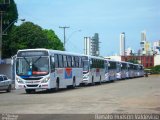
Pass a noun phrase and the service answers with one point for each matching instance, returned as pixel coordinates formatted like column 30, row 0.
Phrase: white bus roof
column 94, row 57
column 50, row 51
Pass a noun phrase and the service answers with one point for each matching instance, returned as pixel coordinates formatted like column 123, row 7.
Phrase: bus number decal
column 68, row 73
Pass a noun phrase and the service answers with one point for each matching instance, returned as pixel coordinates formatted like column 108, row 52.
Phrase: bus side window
column 65, row 61
column 60, row 58
column 76, row 62
column 103, row 64
column 69, row 60
column 73, row 61
column 52, row 64
column 80, row 62
column 56, row 61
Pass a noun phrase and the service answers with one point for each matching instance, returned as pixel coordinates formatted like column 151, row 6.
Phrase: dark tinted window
column 69, row 59
column 73, row 61
column 60, row 59
column 1, row 78
column 65, row 60
column 4, row 77
column 52, row 64
column 56, row 61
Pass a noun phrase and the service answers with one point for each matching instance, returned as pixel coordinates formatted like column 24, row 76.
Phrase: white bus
column 47, row 69
column 111, row 70
column 93, row 70
column 136, row 70
column 139, row 70
column 124, row 70
column 131, row 70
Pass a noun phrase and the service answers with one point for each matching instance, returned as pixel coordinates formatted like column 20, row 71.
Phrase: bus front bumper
column 32, row 86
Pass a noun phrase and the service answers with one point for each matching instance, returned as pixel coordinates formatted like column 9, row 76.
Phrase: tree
column 155, row 69
column 27, row 36
column 11, row 15
column 53, row 40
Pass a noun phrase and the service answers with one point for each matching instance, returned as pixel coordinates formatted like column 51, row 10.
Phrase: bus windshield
column 85, row 66
column 28, row 66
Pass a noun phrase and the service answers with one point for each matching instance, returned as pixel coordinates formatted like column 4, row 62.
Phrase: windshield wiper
column 37, row 59
column 26, row 60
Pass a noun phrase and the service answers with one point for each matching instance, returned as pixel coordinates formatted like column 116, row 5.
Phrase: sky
column 108, row 18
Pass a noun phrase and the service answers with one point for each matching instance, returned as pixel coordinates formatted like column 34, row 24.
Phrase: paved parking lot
column 140, row 95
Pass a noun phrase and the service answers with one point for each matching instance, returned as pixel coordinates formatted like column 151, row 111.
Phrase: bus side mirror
column 11, row 61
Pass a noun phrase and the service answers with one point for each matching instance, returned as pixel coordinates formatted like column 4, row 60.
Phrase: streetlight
column 2, row 33
column 72, row 34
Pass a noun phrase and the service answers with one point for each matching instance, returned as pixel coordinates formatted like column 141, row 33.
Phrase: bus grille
column 36, row 78
column 32, row 85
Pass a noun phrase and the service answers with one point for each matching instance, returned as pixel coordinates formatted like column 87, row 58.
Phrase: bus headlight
column 45, row 80
column 19, row 80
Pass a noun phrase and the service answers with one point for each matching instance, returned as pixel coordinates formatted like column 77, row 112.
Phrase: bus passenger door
column 52, row 73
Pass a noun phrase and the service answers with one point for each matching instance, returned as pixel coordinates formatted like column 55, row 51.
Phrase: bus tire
column 93, row 83
column 74, row 83
column 100, row 80
column 29, row 91
column 57, row 84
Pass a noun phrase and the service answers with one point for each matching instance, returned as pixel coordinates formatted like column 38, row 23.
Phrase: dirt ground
column 139, row 95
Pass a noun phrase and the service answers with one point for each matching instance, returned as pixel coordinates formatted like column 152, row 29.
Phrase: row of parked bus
column 52, row 69
column 96, row 69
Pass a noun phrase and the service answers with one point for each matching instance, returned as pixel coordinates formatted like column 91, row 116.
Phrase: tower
column 87, row 44
column 95, row 45
column 143, row 42
column 122, row 44
column 91, row 45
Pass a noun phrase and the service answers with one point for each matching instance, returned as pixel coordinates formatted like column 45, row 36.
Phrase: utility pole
column 3, row 8
column 64, row 33
column 1, row 14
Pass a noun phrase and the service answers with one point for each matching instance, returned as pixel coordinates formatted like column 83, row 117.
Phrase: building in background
column 143, row 36
column 146, row 61
column 143, row 42
column 128, row 51
column 146, row 47
column 122, row 44
column 87, row 44
column 156, row 47
column 95, row 45
column 156, row 60
column 91, row 45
